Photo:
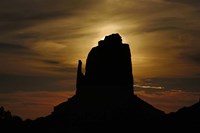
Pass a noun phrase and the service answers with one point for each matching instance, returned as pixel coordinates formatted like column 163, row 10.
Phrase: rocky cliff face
column 105, row 92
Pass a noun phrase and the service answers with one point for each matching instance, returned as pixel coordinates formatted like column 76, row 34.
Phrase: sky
column 42, row 40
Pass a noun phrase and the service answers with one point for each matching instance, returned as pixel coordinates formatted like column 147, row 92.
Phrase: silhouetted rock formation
column 108, row 69
column 104, row 95
column 108, row 81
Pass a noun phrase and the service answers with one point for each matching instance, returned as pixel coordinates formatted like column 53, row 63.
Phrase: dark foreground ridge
column 105, row 100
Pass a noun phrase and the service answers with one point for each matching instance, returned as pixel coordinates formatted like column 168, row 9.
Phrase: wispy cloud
column 11, row 83
column 149, row 87
column 24, row 13
column 154, row 85
column 16, row 49
column 195, row 3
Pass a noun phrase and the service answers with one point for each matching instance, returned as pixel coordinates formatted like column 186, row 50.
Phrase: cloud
column 195, row 3
column 51, row 62
column 149, row 87
column 40, row 10
column 10, row 48
column 12, row 83
column 59, row 68
column 6, row 46
column 193, row 57
column 23, row 13
column 17, row 58
column 23, row 60
column 32, row 35
column 16, row 49
column 163, row 23
column 24, row 69
column 157, row 85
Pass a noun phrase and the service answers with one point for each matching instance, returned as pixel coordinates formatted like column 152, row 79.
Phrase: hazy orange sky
column 42, row 40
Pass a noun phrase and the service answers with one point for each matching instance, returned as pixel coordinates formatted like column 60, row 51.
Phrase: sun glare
column 108, row 29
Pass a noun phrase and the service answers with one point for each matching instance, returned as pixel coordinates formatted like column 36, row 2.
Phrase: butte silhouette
column 105, row 94
column 108, row 69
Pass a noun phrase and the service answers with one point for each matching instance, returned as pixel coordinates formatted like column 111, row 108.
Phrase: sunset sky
column 42, row 40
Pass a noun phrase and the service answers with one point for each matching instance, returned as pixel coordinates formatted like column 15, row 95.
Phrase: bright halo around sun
column 108, row 29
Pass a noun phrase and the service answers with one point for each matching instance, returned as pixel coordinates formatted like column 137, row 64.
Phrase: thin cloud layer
column 194, row 3
column 154, row 85
column 13, row 83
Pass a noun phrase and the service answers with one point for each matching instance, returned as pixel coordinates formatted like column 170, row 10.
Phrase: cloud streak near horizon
column 41, row 42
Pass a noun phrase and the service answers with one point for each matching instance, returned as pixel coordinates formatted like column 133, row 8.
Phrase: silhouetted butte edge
column 105, row 93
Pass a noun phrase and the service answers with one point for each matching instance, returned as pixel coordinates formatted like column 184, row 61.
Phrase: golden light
column 108, row 29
